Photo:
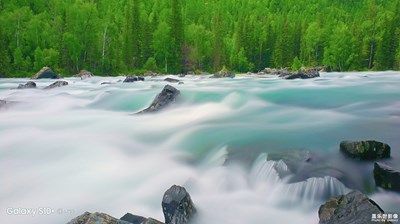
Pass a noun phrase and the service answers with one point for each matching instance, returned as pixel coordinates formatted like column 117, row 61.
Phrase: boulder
column 133, row 78
column 45, row 73
column 2, row 75
column 177, row 206
column 171, row 80
column 354, row 208
column 365, row 150
column 223, row 74
column 28, row 85
column 135, row 219
column 83, row 74
column 167, row 96
column 387, row 177
column 57, row 84
column 96, row 218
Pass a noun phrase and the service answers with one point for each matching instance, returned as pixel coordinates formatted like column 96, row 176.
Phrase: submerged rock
column 387, row 177
column 96, row 218
column 171, row 80
column 365, row 150
column 45, row 73
column 354, row 208
column 28, row 85
column 167, row 96
column 57, row 84
column 83, row 74
column 133, row 78
column 223, row 74
column 177, row 206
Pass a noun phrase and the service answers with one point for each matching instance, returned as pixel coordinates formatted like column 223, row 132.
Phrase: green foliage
column 151, row 65
column 109, row 37
column 296, row 65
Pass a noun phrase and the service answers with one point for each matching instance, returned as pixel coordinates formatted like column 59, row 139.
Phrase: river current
column 248, row 150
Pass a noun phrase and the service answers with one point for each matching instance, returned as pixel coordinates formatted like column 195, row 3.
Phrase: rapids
column 81, row 148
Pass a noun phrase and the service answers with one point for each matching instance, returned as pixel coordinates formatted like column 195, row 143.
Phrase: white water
column 79, row 148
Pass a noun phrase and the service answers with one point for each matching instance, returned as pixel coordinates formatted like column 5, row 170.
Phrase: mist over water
column 81, row 148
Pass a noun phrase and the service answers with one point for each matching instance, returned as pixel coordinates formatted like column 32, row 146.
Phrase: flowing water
column 248, row 150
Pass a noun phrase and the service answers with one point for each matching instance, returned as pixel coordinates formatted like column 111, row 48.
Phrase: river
column 81, row 147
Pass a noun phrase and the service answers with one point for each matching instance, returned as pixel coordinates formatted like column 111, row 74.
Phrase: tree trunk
column 371, row 56
column 104, row 45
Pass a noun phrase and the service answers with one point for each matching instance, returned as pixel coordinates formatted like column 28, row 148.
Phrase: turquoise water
column 81, row 148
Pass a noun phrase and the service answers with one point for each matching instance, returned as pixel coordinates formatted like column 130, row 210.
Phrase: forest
column 180, row 36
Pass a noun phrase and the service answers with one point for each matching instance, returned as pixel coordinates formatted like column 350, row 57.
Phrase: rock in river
column 365, row 150
column 354, row 207
column 133, row 78
column 46, row 73
column 387, row 177
column 223, row 74
column 167, row 96
column 83, row 74
column 57, row 84
column 171, row 80
column 177, row 206
column 96, row 218
column 28, row 85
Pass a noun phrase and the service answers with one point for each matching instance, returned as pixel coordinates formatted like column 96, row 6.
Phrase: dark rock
column 171, row 80
column 151, row 221
column 305, row 73
column 45, row 73
column 354, row 208
column 106, row 83
column 135, row 219
column 223, row 74
column 365, row 150
column 386, row 177
column 2, row 75
column 28, row 85
column 167, row 96
column 83, row 74
column 96, row 218
column 57, row 84
column 133, row 78
column 177, row 206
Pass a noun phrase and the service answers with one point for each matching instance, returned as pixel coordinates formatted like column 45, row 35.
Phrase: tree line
column 178, row 36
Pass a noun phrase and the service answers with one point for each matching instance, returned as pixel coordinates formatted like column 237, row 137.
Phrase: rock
column 171, row 80
column 177, row 206
column 133, row 78
column 83, row 74
column 57, row 84
column 386, row 177
column 354, row 208
column 106, row 83
column 28, row 85
column 223, row 74
column 167, row 96
column 2, row 75
column 45, row 73
column 365, row 150
column 151, row 221
column 135, row 219
column 96, row 218
column 150, row 73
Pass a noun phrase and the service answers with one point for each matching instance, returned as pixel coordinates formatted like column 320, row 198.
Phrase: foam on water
column 81, row 147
